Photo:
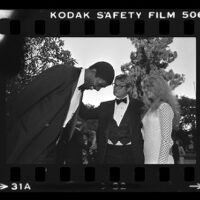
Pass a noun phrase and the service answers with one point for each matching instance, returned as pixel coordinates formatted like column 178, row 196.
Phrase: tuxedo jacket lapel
column 109, row 115
column 133, row 112
column 112, row 108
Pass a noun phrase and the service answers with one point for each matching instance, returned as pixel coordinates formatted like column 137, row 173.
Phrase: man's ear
column 94, row 71
column 129, row 89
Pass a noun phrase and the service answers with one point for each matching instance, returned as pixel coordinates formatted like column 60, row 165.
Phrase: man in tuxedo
column 43, row 116
column 119, row 137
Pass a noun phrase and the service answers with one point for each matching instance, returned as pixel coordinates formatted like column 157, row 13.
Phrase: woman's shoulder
column 165, row 108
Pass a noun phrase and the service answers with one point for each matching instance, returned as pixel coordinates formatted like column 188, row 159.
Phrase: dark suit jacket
column 38, row 112
column 104, row 113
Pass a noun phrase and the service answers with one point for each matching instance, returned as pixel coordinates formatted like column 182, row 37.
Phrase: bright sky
column 116, row 51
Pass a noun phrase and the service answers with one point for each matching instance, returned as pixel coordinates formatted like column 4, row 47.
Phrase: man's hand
column 94, row 144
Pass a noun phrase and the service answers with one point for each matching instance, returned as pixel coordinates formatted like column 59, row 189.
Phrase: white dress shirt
column 120, row 110
column 75, row 100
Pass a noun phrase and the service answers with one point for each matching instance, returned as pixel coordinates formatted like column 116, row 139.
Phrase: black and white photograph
column 99, row 100
column 103, row 100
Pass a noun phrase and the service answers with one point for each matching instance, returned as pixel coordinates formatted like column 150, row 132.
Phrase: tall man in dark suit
column 43, row 116
column 119, row 138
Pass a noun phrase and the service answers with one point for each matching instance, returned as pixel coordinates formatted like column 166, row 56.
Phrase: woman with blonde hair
column 160, row 118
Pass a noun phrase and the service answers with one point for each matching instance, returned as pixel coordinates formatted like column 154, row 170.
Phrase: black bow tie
column 118, row 101
column 81, row 88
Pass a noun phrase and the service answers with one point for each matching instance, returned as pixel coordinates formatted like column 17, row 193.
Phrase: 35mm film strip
column 97, row 24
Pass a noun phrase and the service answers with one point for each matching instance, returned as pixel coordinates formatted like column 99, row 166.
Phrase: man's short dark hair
column 121, row 77
column 104, row 70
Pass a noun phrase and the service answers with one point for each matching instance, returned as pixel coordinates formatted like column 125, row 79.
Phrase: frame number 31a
column 20, row 186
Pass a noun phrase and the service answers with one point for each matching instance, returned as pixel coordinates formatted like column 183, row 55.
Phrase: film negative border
column 109, row 23
column 102, row 178
column 91, row 28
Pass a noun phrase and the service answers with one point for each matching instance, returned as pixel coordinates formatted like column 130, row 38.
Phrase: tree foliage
column 40, row 53
column 151, row 56
column 188, row 113
column 187, row 131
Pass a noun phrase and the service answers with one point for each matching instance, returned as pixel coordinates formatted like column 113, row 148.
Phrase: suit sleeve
column 87, row 113
column 166, row 117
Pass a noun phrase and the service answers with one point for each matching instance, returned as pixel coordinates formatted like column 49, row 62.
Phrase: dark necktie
column 118, row 101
